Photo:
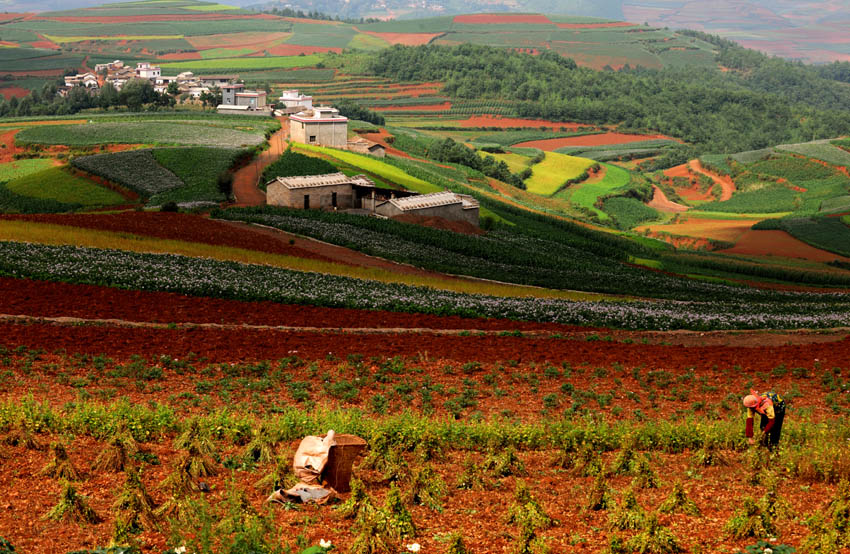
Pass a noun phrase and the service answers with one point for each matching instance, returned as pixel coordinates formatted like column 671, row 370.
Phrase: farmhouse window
column 333, row 199
column 312, row 138
column 306, row 201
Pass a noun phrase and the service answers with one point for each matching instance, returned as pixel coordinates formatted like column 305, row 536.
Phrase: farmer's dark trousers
column 772, row 438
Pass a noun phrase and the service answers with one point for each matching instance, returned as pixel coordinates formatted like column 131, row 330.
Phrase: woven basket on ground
column 337, row 472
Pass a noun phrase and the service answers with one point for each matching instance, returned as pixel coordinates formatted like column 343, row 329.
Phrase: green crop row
column 292, row 163
column 821, row 150
column 136, row 170
column 628, row 212
column 198, row 169
column 171, row 132
column 211, row 278
column 58, row 62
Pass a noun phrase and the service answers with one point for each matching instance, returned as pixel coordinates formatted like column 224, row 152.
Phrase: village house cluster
column 235, row 98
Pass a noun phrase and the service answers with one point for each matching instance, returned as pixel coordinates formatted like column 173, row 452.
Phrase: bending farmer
column 771, row 407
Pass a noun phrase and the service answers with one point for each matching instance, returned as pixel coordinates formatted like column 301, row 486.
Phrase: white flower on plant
column 414, row 547
column 180, row 550
column 325, row 544
column 768, row 551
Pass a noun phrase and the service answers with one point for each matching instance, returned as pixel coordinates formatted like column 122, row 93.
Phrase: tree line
column 777, row 102
column 135, row 95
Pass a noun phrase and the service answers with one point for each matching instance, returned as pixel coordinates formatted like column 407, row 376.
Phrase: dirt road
column 245, row 189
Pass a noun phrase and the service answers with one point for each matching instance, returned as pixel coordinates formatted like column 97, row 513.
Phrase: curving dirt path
column 726, row 184
column 245, row 189
column 662, row 203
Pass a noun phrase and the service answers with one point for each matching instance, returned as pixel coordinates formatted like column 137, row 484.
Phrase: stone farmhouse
column 145, row 70
column 323, row 126
column 88, row 80
column 235, row 99
column 291, row 101
column 217, row 80
column 446, row 205
column 333, row 191
column 108, row 67
column 358, row 194
column 364, row 146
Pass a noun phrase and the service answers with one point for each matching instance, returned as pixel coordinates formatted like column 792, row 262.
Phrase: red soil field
column 694, row 194
column 11, row 16
column 478, row 514
column 594, row 25
column 14, row 92
column 295, row 50
column 185, row 227
column 762, row 352
column 662, row 203
column 485, row 18
column 691, row 192
column 779, row 244
column 427, row 107
column 181, row 56
column 45, row 44
column 507, row 122
column 726, row 184
column 406, row 39
column 678, row 171
column 7, row 139
column 47, row 299
column 728, row 230
column 601, row 139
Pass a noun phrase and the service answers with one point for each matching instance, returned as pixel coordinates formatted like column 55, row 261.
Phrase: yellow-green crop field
column 376, row 167
column 46, row 233
column 245, row 64
column 59, row 185
column 550, row 175
column 517, row 163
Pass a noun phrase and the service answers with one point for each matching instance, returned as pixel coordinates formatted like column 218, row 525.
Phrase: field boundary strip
column 98, row 322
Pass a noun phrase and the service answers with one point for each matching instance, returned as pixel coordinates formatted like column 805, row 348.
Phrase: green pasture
column 585, row 195
column 316, row 34
column 186, row 28
column 242, row 64
column 14, row 54
column 44, row 63
column 60, row 186
column 153, row 132
column 19, row 168
column 362, row 41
